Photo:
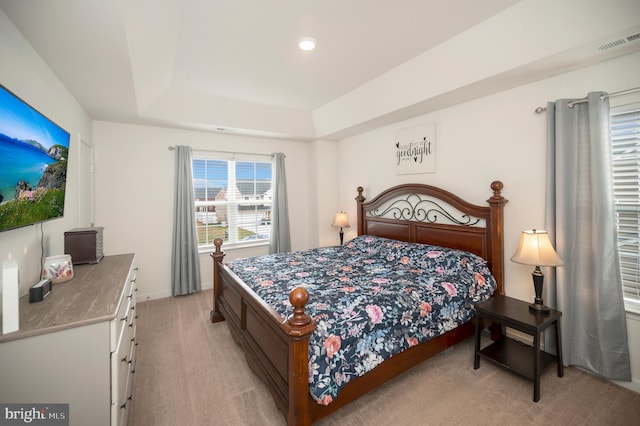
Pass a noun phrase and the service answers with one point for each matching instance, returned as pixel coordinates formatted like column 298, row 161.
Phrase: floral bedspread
column 371, row 299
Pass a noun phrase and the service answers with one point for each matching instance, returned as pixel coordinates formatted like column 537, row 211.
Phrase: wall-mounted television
column 33, row 164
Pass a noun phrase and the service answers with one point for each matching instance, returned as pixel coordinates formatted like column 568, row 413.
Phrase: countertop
column 91, row 296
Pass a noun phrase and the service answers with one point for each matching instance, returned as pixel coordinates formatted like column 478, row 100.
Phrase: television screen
column 33, row 164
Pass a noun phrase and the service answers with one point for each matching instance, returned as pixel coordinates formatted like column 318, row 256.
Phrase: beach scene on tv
column 33, row 164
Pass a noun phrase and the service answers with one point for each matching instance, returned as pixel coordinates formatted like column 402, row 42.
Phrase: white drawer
column 119, row 360
column 123, row 414
column 124, row 353
column 123, row 314
column 124, row 408
column 133, row 352
column 124, row 381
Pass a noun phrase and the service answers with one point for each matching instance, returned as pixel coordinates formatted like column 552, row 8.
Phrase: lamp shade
column 341, row 220
column 535, row 249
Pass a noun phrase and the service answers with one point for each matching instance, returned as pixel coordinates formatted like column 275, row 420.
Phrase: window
column 232, row 198
column 625, row 139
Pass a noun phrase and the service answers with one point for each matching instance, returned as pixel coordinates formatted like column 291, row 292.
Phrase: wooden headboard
column 426, row 214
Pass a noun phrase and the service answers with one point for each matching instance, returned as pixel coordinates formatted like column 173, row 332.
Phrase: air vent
column 612, row 44
column 619, row 42
column 633, row 37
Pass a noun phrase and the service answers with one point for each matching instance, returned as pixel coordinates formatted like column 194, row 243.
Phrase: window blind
column 232, row 198
column 625, row 139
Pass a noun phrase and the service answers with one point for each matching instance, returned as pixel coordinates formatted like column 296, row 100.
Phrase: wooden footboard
column 276, row 350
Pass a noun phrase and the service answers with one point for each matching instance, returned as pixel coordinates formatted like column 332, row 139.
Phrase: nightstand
column 528, row 361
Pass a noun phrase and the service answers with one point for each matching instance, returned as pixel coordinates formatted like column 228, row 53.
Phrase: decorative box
column 84, row 245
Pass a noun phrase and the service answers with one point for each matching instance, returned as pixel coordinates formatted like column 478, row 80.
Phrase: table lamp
column 535, row 249
column 341, row 221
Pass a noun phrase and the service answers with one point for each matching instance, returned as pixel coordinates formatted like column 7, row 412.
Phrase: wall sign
column 415, row 150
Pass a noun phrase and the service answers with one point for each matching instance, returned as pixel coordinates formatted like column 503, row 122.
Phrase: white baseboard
column 162, row 294
column 633, row 385
column 150, row 296
column 522, row 337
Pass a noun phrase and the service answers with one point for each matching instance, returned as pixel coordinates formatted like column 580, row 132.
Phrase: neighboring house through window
column 625, row 139
column 233, row 196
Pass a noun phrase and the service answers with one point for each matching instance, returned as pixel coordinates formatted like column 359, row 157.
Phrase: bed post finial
column 497, row 186
column 218, row 243
column 299, row 297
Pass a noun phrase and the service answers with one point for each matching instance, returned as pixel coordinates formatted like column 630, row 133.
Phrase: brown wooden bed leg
column 217, row 256
column 301, row 328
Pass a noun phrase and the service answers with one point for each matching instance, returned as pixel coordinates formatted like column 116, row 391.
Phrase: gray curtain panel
column 185, row 262
column 280, row 238
column 581, row 222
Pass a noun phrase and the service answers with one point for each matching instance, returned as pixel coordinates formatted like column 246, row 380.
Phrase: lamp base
column 538, row 304
column 537, row 307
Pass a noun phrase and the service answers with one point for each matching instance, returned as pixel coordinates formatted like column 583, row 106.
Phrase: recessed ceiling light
column 307, row 43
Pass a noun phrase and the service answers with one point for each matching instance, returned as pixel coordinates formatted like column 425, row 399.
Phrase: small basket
column 58, row 268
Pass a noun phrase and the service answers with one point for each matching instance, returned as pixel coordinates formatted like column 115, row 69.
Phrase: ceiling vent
column 619, row 42
column 633, row 37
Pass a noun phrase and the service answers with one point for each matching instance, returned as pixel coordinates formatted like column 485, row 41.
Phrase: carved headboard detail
column 426, row 214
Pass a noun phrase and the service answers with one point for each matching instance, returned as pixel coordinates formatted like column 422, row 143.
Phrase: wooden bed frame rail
column 278, row 350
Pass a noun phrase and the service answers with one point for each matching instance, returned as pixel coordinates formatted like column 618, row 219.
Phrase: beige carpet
column 190, row 372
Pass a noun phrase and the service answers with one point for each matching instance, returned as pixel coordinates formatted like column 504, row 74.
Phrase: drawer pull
column 124, row 318
column 124, row 406
column 124, row 359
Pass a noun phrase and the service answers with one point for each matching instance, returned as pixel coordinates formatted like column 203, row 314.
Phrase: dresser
column 77, row 346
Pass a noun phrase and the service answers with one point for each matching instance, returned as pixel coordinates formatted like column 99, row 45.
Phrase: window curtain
column 185, row 263
column 280, row 238
column 580, row 217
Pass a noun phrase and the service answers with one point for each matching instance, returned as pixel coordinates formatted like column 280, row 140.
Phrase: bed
column 279, row 346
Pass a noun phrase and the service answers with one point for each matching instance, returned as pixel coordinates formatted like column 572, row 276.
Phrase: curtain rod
column 602, row 98
column 173, row 147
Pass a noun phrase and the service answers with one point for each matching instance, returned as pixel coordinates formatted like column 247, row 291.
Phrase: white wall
column 24, row 73
column 134, row 175
column 323, row 180
column 495, row 137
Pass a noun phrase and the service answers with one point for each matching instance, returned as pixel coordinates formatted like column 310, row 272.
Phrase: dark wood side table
column 528, row 361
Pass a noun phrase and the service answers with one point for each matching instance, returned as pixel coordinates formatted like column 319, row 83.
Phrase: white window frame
column 625, row 141
column 233, row 200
